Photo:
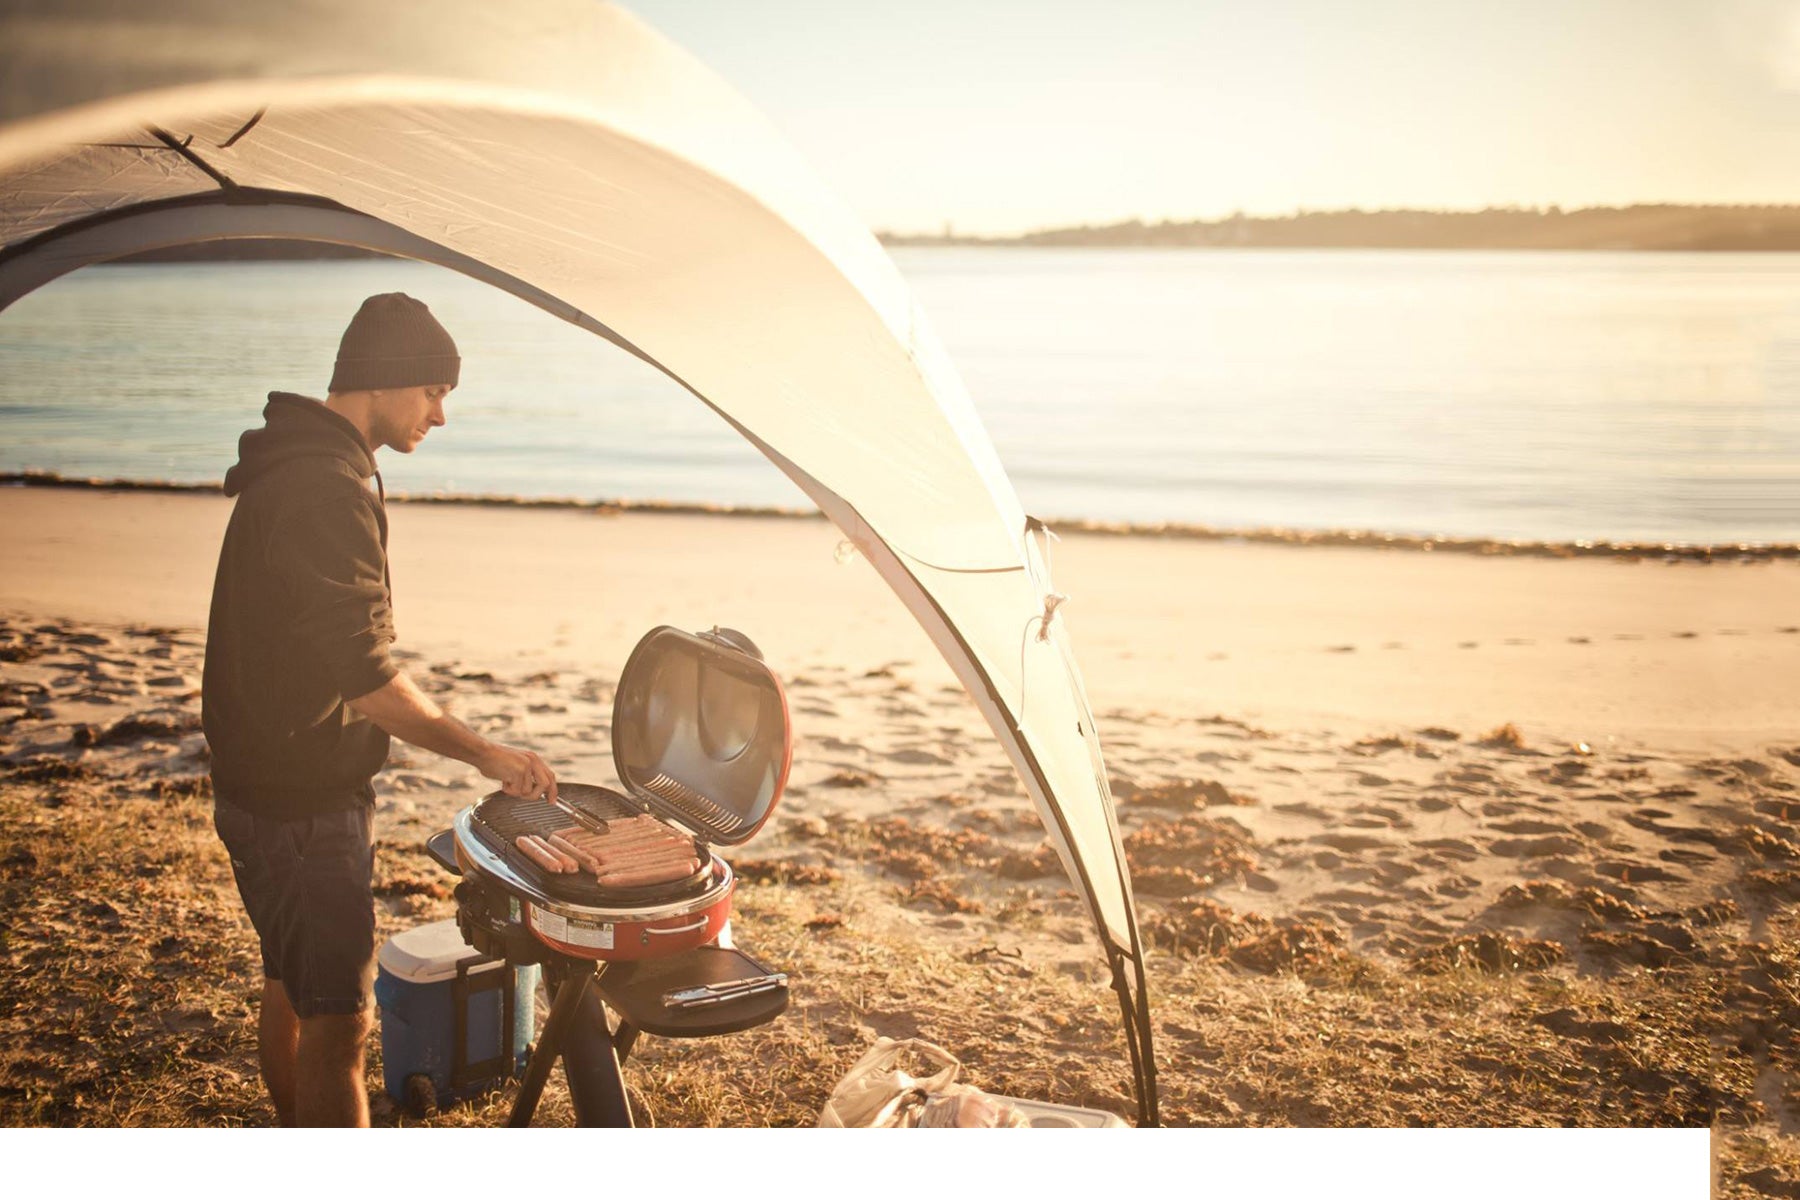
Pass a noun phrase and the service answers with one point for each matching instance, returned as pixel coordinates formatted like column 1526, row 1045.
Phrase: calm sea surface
column 1556, row 396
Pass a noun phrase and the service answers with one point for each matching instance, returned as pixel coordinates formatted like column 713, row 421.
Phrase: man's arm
column 399, row 707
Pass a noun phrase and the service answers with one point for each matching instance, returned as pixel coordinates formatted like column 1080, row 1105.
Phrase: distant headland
column 1637, row 227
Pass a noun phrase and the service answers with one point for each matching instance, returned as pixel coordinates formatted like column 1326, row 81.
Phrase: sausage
column 577, row 837
column 614, row 844
column 677, row 867
column 631, row 837
column 580, row 836
column 569, row 862
column 538, row 853
column 639, row 876
column 682, row 849
column 565, row 864
column 592, row 843
column 583, row 859
column 642, row 825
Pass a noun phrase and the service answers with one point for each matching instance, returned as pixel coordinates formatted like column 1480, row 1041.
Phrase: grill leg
column 592, row 1064
column 549, row 1046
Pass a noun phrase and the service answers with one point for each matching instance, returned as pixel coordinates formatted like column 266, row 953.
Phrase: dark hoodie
column 301, row 618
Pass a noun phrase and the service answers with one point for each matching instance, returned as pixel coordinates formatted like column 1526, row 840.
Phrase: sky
column 999, row 116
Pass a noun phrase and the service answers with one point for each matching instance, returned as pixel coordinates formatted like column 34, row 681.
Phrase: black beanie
column 394, row 342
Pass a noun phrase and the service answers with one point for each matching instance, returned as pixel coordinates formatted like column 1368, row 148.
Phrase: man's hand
column 409, row 714
column 519, row 772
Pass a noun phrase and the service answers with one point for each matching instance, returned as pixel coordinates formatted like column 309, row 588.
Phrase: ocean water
column 1539, row 396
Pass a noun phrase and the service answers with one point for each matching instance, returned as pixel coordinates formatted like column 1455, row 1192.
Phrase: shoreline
column 1625, row 551
column 1170, row 630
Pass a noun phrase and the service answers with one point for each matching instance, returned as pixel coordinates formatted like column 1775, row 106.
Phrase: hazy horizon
column 1001, row 116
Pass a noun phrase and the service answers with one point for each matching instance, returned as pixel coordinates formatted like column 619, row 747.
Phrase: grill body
column 582, row 920
column 702, row 742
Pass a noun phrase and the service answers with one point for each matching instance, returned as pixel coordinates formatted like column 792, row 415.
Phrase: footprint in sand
column 1626, row 871
column 1781, row 810
column 1350, row 843
column 1581, row 641
column 1455, row 848
column 916, row 758
column 1351, row 898
column 1392, row 818
column 1538, row 847
column 1685, row 633
column 1530, row 827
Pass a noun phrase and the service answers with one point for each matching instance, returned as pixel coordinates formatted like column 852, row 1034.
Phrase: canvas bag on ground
column 878, row 1094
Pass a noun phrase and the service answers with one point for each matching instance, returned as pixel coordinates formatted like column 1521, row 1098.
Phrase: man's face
column 403, row 416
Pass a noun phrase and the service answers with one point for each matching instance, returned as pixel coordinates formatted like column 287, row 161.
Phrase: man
column 300, row 695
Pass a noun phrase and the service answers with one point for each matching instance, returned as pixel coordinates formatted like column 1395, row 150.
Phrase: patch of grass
column 184, row 787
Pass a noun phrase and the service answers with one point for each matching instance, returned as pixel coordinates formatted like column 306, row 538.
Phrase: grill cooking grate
column 500, row 818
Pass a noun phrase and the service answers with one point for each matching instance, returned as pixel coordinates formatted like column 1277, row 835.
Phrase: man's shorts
column 305, row 883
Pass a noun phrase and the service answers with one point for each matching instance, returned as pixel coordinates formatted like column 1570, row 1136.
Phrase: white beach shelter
column 565, row 152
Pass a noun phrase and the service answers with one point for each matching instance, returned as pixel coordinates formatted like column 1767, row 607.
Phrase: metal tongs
column 719, row 993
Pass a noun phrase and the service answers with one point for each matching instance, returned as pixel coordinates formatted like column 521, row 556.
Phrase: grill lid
column 700, row 732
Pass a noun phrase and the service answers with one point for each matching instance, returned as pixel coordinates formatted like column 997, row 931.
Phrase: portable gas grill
column 702, row 742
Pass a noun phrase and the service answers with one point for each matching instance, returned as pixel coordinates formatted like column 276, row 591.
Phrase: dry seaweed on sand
column 1503, row 737
column 1180, row 794
column 1039, row 861
column 1208, row 849
column 137, row 727
column 784, row 872
column 45, row 768
column 1494, row 953
column 1553, row 894
column 1210, row 929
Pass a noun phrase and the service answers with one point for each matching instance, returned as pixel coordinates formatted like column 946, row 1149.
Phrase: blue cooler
column 454, row 1023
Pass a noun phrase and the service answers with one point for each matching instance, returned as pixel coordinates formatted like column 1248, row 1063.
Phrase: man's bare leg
column 329, row 1081
column 278, row 1041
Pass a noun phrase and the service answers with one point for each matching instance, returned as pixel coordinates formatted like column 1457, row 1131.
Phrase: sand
column 1677, row 655
column 1566, row 787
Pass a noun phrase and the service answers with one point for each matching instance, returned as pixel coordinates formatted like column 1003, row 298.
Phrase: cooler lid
column 429, row 953
column 700, row 732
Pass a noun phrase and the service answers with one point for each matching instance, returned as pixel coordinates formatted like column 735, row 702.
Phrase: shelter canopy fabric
column 579, row 159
